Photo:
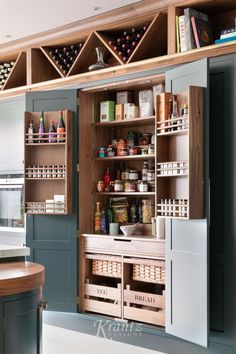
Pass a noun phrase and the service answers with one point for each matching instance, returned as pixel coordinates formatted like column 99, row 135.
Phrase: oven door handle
column 11, row 186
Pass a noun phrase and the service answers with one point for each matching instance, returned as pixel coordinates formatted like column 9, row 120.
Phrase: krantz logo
column 109, row 329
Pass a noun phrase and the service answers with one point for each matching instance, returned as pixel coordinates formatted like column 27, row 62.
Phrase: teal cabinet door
column 187, row 241
column 53, row 238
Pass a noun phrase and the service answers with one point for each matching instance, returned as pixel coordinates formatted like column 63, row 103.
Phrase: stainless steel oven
column 11, row 202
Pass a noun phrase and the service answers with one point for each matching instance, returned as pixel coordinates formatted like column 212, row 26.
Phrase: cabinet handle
column 43, row 305
column 121, row 240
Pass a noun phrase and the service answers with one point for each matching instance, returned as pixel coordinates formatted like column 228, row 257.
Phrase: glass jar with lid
column 147, row 211
column 119, row 186
column 133, row 175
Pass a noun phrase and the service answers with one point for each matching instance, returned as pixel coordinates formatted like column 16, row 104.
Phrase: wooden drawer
column 146, row 248
column 96, row 299
column 154, row 306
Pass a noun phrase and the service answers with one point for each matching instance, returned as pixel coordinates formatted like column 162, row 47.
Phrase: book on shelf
column 202, row 32
column 223, row 40
column 177, row 34
column 182, row 37
column 189, row 35
column 228, row 35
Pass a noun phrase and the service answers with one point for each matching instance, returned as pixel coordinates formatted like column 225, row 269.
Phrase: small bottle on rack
column 52, row 136
column 144, row 170
column 31, row 131
column 169, row 123
column 103, row 224
column 41, row 128
column 174, row 112
column 97, row 220
column 185, row 117
column 61, row 129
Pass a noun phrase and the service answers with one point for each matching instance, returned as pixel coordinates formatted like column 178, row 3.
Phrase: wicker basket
column 107, row 268
column 149, row 273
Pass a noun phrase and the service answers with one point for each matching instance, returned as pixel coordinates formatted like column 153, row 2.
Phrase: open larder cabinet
column 160, row 282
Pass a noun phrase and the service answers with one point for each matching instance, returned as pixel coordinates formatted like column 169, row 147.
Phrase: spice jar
column 145, row 139
column 150, row 175
column 102, row 152
column 143, row 187
column 39, row 172
column 130, row 186
column 121, row 146
column 131, row 137
column 123, row 152
column 111, row 151
column 144, row 150
column 133, row 175
column 119, row 186
column 151, row 149
column 29, row 173
column 125, row 174
column 133, row 150
column 147, row 211
column 101, row 186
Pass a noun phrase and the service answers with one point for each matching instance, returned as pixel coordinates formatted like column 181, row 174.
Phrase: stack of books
column 227, row 35
column 192, row 30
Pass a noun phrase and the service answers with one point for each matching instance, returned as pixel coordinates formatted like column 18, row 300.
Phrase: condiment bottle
column 31, row 131
column 144, row 170
column 41, row 128
column 103, row 222
column 107, row 177
column 52, row 132
column 134, row 213
column 60, row 129
column 97, row 220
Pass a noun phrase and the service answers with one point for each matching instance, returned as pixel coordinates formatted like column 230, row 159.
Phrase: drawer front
column 102, row 307
column 127, row 247
column 104, row 292
column 142, row 298
column 147, row 316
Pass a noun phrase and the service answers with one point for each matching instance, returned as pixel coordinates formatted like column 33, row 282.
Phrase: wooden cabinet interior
column 48, row 167
column 101, row 135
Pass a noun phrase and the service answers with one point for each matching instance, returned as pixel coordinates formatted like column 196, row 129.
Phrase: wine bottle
column 61, row 129
column 41, row 128
column 133, row 213
column 52, row 132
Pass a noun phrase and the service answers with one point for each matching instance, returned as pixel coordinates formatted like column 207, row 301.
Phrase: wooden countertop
column 19, row 277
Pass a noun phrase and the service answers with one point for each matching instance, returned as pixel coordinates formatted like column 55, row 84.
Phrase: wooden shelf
column 45, row 144
column 45, row 179
column 127, row 193
column 174, row 175
column 174, row 132
column 128, row 122
column 129, row 157
column 17, row 76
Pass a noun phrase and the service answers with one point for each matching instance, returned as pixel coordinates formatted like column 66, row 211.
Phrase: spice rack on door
column 180, row 159
column 48, row 166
